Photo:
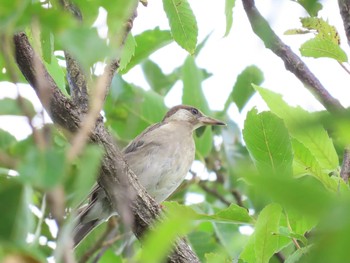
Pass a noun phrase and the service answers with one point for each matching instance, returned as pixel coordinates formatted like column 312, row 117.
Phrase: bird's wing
column 138, row 142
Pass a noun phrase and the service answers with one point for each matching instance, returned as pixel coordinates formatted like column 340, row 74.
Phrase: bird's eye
column 194, row 111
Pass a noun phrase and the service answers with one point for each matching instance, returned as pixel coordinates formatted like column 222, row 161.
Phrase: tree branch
column 344, row 8
column 345, row 169
column 115, row 175
column 291, row 61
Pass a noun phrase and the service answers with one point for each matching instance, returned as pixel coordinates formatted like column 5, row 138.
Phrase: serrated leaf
column 323, row 28
column 146, row 43
column 268, row 143
column 127, row 52
column 243, row 90
column 182, row 22
column 263, row 243
column 229, row 5
column 304, row 163
column 314, row 137
column 318, row 48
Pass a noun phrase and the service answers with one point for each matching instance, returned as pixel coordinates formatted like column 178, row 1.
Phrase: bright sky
column 226, row 57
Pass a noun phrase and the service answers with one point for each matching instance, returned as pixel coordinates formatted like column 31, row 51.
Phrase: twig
column 56, row 202
column 345, row 169
column 345, row 68
column 214, row 192
column 41, row 219
column 291, row 61
column 238, row 196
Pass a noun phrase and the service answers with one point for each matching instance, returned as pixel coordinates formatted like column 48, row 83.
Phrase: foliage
column 282, row 182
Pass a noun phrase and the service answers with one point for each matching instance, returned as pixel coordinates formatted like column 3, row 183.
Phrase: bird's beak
column 210, row 121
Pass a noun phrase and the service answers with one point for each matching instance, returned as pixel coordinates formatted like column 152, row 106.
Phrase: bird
column 160, row 157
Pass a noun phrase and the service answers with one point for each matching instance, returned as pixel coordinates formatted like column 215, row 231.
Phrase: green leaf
column 85, row 45
column 192, row 78
column 311, row 6
column 182, row 22
column 158, row 81
column 42, row 169
column 243, row 90
column 232, row 214
column 202, row 242
column 146, row 43
column 130, row 109
column 305, row 163
column 298, row 254
column 314, row 137
column 88, row 167
column 158, row 242
column 230, row 238
column 47, row 45
column 291, row 193
column 268, row 143
column 16, row 223
column 6, row 139
column 263, row 243
column 229, row 5
column 323, row 28
column 11, row 107
column 217, row 258
column 193, row 95
column 318, row 48
column 118, row 13
column 127, row 52
column 57, row 74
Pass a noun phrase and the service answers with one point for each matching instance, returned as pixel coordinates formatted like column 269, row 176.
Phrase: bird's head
column 190, row 115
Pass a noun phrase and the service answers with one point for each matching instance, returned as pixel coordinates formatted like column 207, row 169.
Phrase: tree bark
column 115, row 175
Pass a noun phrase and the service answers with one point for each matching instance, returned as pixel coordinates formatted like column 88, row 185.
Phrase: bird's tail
column 81, row 230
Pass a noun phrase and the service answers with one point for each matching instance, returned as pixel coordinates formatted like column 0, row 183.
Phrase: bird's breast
column 163, row 166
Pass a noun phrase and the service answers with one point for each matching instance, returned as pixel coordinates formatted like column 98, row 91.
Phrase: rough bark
column 115, row 173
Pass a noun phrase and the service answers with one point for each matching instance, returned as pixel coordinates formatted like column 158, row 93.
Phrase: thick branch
column 291, row 61
column 61, row 109
column 115, row 174
column 77, row 83
column 345, row 169
column 344, row 8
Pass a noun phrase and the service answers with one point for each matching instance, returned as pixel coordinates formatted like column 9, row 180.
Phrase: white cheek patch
column 181, row 115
